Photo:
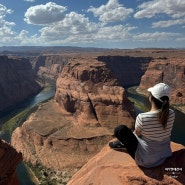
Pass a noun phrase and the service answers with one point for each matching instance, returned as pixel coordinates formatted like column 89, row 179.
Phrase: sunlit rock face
column 170, row 71
column 48, row 66
column 115, row 167
column 89, row 90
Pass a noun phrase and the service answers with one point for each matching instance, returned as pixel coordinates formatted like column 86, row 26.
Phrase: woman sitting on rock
column 149, row 144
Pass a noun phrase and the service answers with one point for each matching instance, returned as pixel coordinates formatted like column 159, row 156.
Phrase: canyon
column 17, row 82
column 170, row 71
column 90, row 100
column 65, row 132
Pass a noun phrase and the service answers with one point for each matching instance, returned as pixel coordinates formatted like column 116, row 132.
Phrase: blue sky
column 93, row 23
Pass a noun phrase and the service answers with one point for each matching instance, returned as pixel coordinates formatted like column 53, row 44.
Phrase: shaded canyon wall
column 17, row 81
column 9, row 159
column 48, row 66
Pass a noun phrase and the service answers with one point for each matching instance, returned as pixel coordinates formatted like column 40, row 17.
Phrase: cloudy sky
column 93, row 23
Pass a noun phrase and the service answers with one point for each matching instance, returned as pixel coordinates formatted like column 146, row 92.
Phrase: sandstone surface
column 48, row 66
column 110, row 167
column 17, row 81
column 170, row 71
column 64, row 133
column 9, row 159
column 90, row 91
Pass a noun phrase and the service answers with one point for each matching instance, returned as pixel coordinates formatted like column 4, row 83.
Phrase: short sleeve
column 138, row 123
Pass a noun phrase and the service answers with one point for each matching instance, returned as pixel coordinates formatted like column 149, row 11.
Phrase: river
column 24, row 176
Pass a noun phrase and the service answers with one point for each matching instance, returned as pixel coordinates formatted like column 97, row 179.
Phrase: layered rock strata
column 9, row 159
column 90, row 91
column 115, row 167
column 48, row 66
column 17, row 81
column 170, row 71
column 64, row 133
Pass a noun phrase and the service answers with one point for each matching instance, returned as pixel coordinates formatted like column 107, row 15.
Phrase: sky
column 124, row 24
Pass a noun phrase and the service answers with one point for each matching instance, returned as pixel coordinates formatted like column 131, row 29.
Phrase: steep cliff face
column 17, row 81
column 110, row 167
column 64, row 133
column 89, row 90
column 128, row 70
column 170, row 71
column 48, row 66
column 9, row 159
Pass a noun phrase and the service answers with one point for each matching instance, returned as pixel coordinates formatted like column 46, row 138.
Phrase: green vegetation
column 48, row 176
column 138, row 99
column 139, row 105
column 18, row 119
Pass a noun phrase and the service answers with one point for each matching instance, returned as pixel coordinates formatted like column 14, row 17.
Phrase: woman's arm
column 138, row 132
column 138, row 125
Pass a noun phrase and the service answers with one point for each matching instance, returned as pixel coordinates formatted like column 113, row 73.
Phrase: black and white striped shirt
column 150, row 127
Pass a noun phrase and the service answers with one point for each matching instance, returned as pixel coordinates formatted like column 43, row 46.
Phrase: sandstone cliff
column 48, row 66
column 90, row 91
column 9, row 159
column 17, row 81
column 110, row 167
column 170, row 71
column 64, row 133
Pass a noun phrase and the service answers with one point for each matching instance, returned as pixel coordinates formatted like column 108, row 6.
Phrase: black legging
column 126, row 136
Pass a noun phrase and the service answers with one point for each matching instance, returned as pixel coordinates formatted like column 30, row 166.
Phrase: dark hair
column 164, row 109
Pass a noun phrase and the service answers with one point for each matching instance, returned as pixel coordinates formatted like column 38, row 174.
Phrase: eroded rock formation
column 170, row 71
column 113, row 167
column 9, row 159
column 48, row 66
column 89, row 90
column 66, row 132
column 17, row 81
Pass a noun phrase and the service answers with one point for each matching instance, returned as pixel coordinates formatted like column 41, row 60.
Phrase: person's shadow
column 174, row 167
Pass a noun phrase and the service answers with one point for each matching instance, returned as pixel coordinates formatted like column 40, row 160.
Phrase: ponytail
column 163, row 105
column 164, row 113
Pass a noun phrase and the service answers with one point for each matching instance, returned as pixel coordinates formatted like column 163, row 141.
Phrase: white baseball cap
column 159, row 90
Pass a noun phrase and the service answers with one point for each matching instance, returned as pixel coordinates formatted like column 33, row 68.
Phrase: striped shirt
column 154, row 142
column 150, row 127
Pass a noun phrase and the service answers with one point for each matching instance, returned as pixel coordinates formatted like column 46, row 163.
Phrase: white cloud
column 116, row 33
column 6, row 32
column 4, row 10
column 73, row 23
column 72, row 28
column 45, row 14
column 165, row 24
column 173, row 8
column 156, row 36
column 77, row 28
column 111, row 12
